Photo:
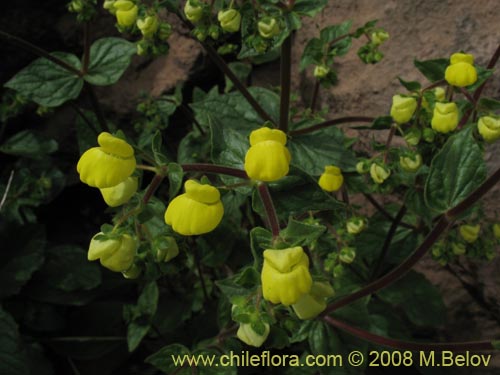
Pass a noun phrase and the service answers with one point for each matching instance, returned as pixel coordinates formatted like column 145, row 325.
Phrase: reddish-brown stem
column 214, row 168
column 408, row 345
column 285, row 82
column 315, row 96
column 388, row 142
column 269, row 208
column 86, row 47
column 328, row 123
column 153, row 186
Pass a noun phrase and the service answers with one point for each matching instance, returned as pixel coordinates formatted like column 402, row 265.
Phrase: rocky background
column 421, row 29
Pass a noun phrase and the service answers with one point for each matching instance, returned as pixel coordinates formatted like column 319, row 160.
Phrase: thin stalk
column 147, row 168
column 315, row 96
column 27, row 46
column 269, row 208
column 85, row 118
column 388, row 241
column 388, row 142
column 213, row 168
column 285, row 82
column 86, row 47
column 493, row 61
column 408, row 345
column 97, row 108
column 153, row 186
column 7, row 188
column 328, row 123
column 382, row 210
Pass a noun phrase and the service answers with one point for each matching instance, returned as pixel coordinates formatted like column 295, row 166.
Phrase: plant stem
column 214, row 168
column 86, row 47
column 200, row 273
column 269, row 208
column 444, row 221
column 385, row 213
column 315, row 96
column 388, row 240
column 408, row 345
column 25, row 45
column 7, row 188
column 155, row 183
column 147, row 168
column 285, row 82
column 85, row 118
column 388, row 142
column 328, row 123
column 97, row 108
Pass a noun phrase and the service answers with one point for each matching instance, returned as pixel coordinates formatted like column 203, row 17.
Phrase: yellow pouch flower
column 445, row 117
column 148, row 25
column 489, row 128
column 193, row 12
column 410, row 163
column 321, row 71
column 115, row 254
column 230, row 20
column 250, row 337
column 403, row 108
column 311, row 304
column 126, row 12
column 461, row 71
column 120, row 194
column 268, row 27
column 285, row 275
column 267, row 159
column 378, row 37
column 332, row 179
column 469, row 233
column 355, row 225
column 108, row 165
column 197, row 211
column 379, row 173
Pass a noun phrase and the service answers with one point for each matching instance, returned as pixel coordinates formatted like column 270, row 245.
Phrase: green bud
column 410, row 163
column 379, row 36
column 200, row 33
column 268, row 27
column 193, row 11
column 230, row 20
column 321, row 71
column 355, row 225
column 338, row 270
column 164, row 31
column 166, row 248
column 214, row 32
column 142, row 48
column 347, row 255
column 413, row 136
column 458, row 248
column 227, row 49
column 363, row 166
column 148, row 25
column 133, row 272
column 429, row 135
column 496, row 231
column 76, row 6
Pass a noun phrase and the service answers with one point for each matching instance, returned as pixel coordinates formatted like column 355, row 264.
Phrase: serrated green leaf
column 309, row 7
column 109, row 58
column 175, row 176
column 432, row 69
column 29, row 144
column 240, row 284
column 298, row 233
column 163, row 359
column 455, row 172
column 241, row 70
column 13, row 359
column 313, row 53
column 410, row 85
column 47, row 83
column 489, row 104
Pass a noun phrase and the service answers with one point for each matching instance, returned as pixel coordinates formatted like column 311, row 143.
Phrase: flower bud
column 403, row 108
column 379, row 173
column 311, row 304
column 489, row 128
column 321, row 71
column 332, row 179
column 197, row 211
column 214, row 32
column 133, row 272
column 108, row 165
column 496, row 231
column 267, row 159
column 338, row 270
column 362, row 166
column 355, row 225
column 148, row 25
column 230, row 20
column 250, row 337
column 268, row 27
column 428, row 135
column 142, row 47
column 109, row 5
column 461, row 71
column 347, row 254
column 445, row 117
column 126, row 12
column 166, row 248
column 379, row 36
column 413, row 136
column 285, row 275
column 469, row 233
column 458, row 248
column 410, row 163
column 116, row 254
column 76, row 6
column 165, row 30
column 193, row 12
column 120, row 194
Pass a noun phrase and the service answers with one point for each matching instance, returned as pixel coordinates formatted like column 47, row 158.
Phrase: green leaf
column 298, row 233
column 260, row 239
column 410, row 85
column 165, row 359
column 489, row 104
column 241, row 70
column 109, row 58
column 482, row 75
column 157, row 149
column 313, row 53
column 241, row 284
column 432, row 69
column 25, row 256
column 420, row 300
column 13, row 359
column 175, row 176
column 312, row 152
column 455, row 172
column 47, row 83
column 29, row 144
column 365, row 28
column 329, row 34
column 309, row 7
column 86, row 135
column 323, row 339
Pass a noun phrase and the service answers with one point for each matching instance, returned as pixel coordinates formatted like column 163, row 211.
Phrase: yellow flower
column 469, row 233
column 489, row 128
column 250, row 337
column 109, row 5
column 410, row 163
column 108, row 165
column 126, row 12
column 403, row 108
column 120, row 194
column 458, row 248
column 285, row 275
column 148, row 25
column 311, row 304
column 355, row 225
column 445, row 117
column 230, row 20
column 193, row 12
column 197, row 211
column 116, row 254
column 321, row 71
column 379, row 173
column 267, row 159
column 379, row 36
column 461, row 71
column 331, row 179
column 268, row 27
